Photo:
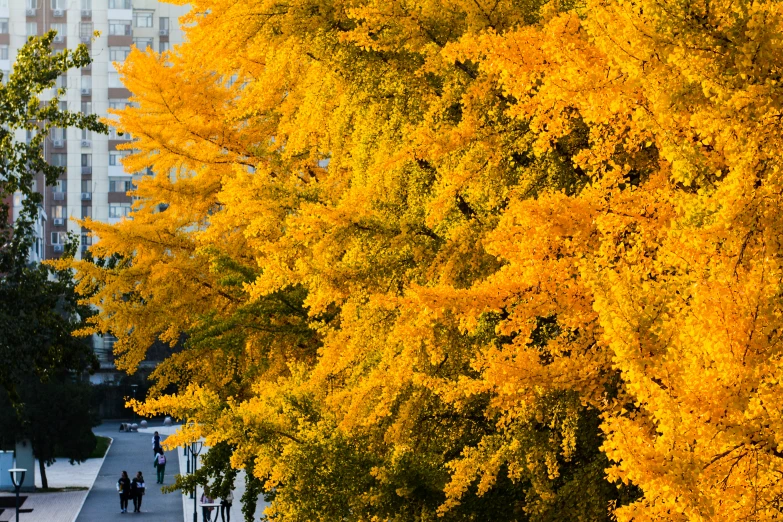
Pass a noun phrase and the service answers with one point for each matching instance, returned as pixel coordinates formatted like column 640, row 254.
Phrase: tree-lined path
column 131, row 452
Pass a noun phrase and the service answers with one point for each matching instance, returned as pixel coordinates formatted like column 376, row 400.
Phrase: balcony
column 86, row 196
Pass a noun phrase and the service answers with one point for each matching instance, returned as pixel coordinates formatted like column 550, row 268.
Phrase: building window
column 87, row 5
column 164, row 46
column 62, row 29
column 58, row 133
column 86, row 212
column 142, row 18
column 86, row 134
column 86, row 238
column 120, row 27
column 118, row 54
column 59, row 238
column 31, row 28
column 61, row 186
column 119, row 4
column 86, row 160
column 118, row 104
column 3, row 52
column 115, row 157
column 142, row 43
column 62, row 81
column 58, row 212
column 58, row 4
column 163, row 21
column 86, row 107
column 60, row 160
column 3, row 25
column 114, row 79
column 119, row 185
column 31, row 4
column 118, row 210
column 4, row 3
column 85, row 31
column 86, row 83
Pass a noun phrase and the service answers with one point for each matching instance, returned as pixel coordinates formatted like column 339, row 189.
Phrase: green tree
column 42, row 362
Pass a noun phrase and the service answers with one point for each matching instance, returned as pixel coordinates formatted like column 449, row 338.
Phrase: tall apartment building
column 95, row 183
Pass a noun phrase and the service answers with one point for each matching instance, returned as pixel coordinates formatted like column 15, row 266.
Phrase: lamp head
column 17, row 476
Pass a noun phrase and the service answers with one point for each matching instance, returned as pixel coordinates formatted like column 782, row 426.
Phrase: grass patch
column 100, row 447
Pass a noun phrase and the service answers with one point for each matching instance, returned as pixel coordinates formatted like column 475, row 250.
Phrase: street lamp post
column 195, row 449
column 134, row 386
column 18, row 481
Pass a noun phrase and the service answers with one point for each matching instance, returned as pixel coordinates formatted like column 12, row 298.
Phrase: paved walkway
column 48, row 507
column 58, row 506
column 131, row 452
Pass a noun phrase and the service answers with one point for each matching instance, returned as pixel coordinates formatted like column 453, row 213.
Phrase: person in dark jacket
column 137, row 491
column 123, row 488
column 156, row 444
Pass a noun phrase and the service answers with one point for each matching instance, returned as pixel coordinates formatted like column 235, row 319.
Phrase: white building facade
column 95, row 184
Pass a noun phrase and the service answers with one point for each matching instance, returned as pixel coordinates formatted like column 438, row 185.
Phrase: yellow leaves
column 395, row 215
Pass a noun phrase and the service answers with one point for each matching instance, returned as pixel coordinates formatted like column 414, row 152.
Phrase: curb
column 78, row 512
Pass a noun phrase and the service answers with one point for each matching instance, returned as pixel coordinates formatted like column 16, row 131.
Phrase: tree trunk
column 42, row 470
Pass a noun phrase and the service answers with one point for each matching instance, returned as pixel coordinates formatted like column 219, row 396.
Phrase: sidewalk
column 58, row 506
column 130, row 452
column 187, row 502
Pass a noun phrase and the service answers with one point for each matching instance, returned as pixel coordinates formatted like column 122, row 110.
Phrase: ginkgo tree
column 462, row 260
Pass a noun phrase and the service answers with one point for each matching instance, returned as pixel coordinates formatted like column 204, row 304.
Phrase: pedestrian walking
column 206, row 511
column 225, row 507
column 137, row 491
column 160, row 465
column 123, row 488
column 156, row 447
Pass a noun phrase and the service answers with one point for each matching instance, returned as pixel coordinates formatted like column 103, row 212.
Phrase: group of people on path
column 131, row 490
column 225, row 507
column 134, row 489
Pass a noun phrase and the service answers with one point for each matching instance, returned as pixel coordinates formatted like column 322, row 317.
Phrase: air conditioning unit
column 58, row 222
column 86, row 195
column 86, row 13
column 86, row 170
column 58, row 248
column 59, row 38
column 164, row 32
column 86, row 91
column 59, row 196
column 58, row 144
column 85, row 39
column 86, row 144
column 58, row 13
column 29, row 11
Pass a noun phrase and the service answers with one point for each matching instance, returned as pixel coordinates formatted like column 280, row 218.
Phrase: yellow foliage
column 380, row 214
